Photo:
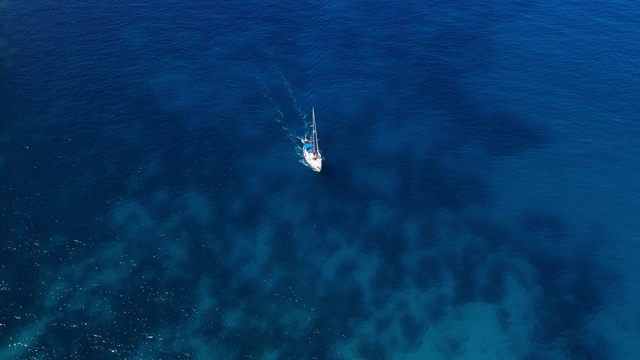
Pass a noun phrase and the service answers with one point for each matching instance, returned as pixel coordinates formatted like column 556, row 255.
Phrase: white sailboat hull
column 310, row 149
column 314, row 161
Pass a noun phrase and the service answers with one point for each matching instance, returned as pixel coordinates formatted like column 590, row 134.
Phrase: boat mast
column 315, row 133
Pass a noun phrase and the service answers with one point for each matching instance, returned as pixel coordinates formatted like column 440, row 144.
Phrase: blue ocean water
column 479, row 197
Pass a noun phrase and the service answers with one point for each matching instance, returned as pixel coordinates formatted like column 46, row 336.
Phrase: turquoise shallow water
column 478, row 198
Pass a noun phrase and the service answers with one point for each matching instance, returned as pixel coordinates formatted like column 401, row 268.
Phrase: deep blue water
column 479, row 197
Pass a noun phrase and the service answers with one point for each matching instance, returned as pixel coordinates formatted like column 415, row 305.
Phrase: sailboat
column 310, row 149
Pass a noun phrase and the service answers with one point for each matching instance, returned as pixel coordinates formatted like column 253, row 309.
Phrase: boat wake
column 279, row 112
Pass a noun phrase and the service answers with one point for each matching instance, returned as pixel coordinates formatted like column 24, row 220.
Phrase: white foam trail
column 287, row 84
column 280, row 118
